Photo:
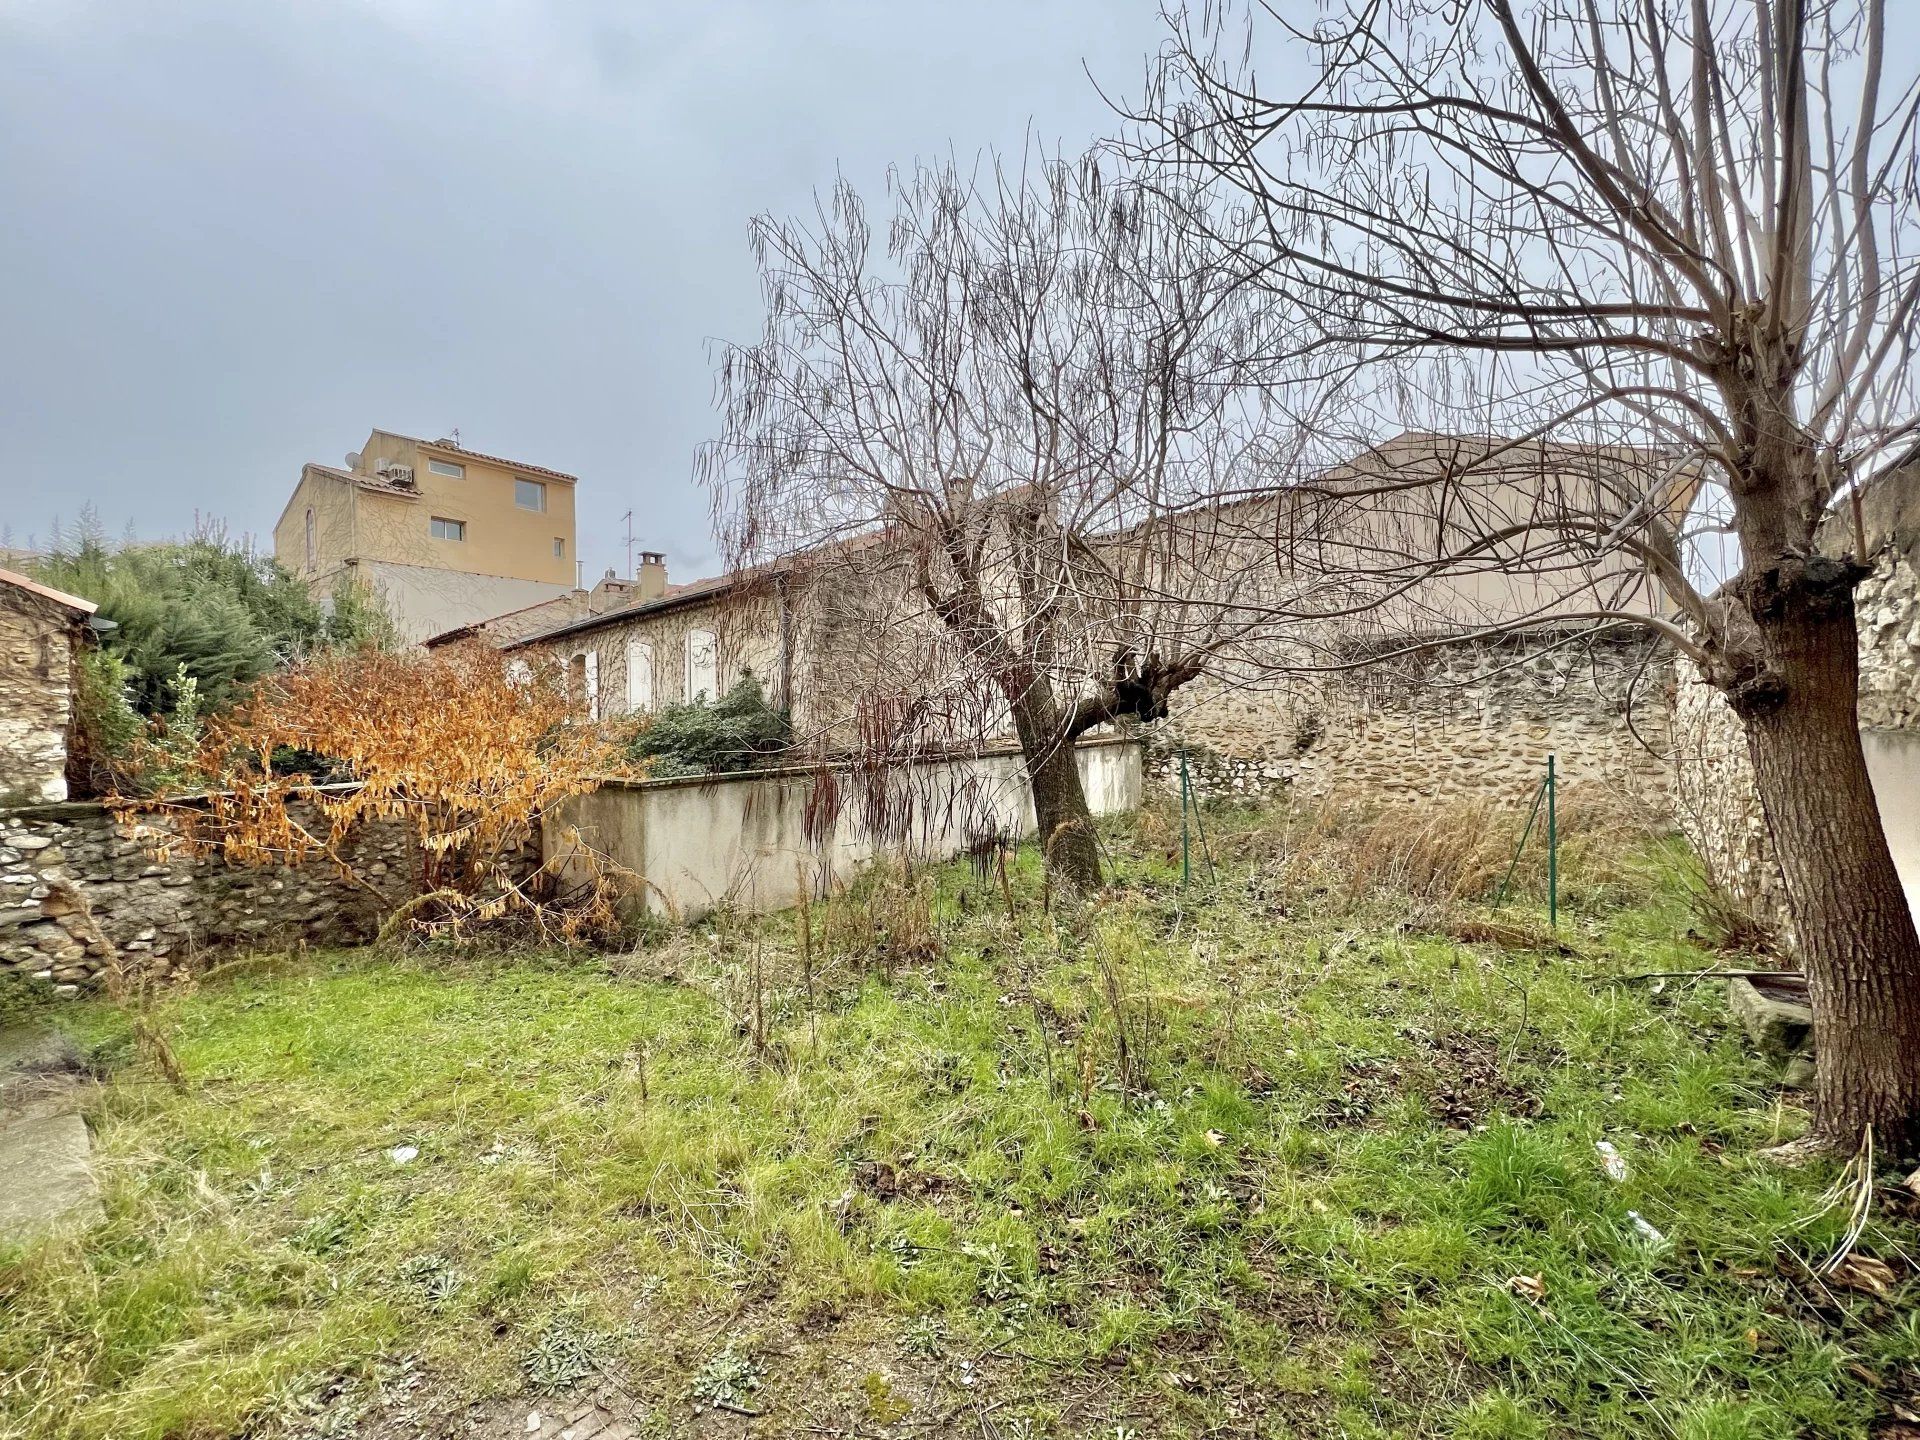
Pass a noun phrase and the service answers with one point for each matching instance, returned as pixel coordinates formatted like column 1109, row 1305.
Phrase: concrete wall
column 693, row 844
column 425, row 601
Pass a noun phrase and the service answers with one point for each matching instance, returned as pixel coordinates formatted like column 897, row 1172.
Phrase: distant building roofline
column 447, row 447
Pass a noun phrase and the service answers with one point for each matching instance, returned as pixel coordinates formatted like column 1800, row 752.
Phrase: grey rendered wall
column 686, row 846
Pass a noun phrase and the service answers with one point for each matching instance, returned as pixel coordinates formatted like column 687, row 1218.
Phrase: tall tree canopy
column 977, row 429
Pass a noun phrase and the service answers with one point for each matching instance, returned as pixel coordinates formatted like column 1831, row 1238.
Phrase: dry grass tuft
column 1435, row 852
column 885, row 920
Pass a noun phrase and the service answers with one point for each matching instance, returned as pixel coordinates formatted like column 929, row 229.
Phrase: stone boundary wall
column 1714, row 799
column 1463, row 721
column 78, row 895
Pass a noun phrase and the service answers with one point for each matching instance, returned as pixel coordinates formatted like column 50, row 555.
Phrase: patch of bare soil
column 1469, row 1078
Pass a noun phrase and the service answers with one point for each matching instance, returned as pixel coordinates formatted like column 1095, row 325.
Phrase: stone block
column 1780, row 1028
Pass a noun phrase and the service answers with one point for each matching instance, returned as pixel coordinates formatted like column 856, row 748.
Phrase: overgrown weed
column 1267, row 1149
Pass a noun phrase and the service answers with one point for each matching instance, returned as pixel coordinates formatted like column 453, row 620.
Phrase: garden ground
column 1306, row 1147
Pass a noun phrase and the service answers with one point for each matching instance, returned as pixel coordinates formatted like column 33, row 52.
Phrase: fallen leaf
column 1215, row 1138
column 1863, row 1272
column 1530, row 1287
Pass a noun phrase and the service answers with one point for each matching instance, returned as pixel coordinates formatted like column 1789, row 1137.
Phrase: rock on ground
column 46, row 1174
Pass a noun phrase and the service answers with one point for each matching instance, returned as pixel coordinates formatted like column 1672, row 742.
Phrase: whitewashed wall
column 691, row 844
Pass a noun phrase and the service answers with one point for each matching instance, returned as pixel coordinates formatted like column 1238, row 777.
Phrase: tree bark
column 1855, row 932
column 1059, row 799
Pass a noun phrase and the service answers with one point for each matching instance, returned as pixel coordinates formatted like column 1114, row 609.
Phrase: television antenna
column 628, row 517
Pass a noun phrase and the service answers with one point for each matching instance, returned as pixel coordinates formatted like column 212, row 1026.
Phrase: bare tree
column 977, row 448
column 1675, row 234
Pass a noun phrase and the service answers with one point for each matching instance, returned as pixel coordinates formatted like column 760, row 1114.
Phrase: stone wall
column 1460, row 721
column 78, row 895
column 1714, row 799
column 36, row 696
column 1887, row 605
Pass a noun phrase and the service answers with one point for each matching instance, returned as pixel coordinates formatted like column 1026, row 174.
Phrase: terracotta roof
column 475, row 627
column 447, row 447
column 47, row 592
column 365, row 482
column 676, row 595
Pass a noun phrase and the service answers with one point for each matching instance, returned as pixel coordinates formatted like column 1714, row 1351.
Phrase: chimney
column 608, row 591
column 650, row 577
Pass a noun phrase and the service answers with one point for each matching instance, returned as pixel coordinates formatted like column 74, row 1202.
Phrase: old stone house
column 826, row 637
column 41, row 630
column 691, row 641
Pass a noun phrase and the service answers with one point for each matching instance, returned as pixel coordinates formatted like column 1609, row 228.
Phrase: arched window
column 583, row 681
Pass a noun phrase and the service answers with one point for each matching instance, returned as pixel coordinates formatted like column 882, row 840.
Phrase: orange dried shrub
column 467, row 756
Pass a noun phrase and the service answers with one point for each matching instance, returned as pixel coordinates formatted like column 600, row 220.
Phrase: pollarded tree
column 974, row 443
column 1678, row 234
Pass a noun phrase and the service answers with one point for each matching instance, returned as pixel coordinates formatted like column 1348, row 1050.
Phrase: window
column 639, row 676
column 519, row 674
column 529, row 494
column 310, row 546
column 445, row 529
column 703, row 665
column 447, row 468
column 559, row 547
column 583, row 682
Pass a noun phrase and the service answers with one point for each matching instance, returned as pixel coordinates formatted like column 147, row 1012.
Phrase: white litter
column 1611, row 1160
column 401, row 1154
column 534, row 1422
column 1646, row 1232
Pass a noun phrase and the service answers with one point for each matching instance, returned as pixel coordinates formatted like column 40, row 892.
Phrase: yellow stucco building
column 442, row 534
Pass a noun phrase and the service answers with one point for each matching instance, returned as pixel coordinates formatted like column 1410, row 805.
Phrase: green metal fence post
column 1533, row 810
column 1553, row 851
column 1184, row 791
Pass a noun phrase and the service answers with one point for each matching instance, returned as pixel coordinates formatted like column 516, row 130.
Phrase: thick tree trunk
column 1059, row 799
column 1856, row 935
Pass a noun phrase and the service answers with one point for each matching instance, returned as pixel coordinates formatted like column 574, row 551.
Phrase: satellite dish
column 353, row 459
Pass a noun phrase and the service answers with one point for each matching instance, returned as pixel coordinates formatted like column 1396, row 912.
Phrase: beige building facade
column 442, row 535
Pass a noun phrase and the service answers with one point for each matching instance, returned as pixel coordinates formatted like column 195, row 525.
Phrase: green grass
column 933, row 1197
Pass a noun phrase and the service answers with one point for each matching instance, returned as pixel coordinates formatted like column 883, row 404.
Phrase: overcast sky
column 235, row 237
